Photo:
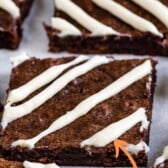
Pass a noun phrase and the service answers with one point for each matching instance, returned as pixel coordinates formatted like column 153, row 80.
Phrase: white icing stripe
column 10, row 6
column 78, row 14
column 117, row 129
column 135, row 149
column 127, row 16
column 12, row 113
column 156, row 8
column 162, row 158
column 28, row 164
column 85, row 106
column 64, row 26
column 44, row 78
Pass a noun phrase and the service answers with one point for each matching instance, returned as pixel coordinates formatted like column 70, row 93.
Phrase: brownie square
column 63, row 146
column 129, row 39
column 10, row 27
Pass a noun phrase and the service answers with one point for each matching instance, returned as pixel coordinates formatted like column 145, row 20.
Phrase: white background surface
column 35, row 43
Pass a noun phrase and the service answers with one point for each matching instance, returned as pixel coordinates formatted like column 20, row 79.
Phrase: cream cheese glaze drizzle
column 28, row 164
column 135, row 149
column 127, row 16
column 86, row 105
column 117, row 129
column 84, row 19
column 44, row 78
column 64, row 26
column 10, row 7
column 156, row 8
column 36, row 101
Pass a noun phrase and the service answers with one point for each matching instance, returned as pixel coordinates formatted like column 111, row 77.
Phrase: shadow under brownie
column 10, row 27
column 63, row 146
column 129, row 39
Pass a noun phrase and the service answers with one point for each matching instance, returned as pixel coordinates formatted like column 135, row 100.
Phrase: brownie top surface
column 105, row 113
column 108, row 19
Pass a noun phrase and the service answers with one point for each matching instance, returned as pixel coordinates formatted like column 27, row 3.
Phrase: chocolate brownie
column 10, row 26
column 78, row 38
column 66, row 145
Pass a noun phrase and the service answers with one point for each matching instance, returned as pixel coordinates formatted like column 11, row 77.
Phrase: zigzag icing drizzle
column 86, row 105
column 28, row 164
column 127, row 16
column 11, row 7
column 30, row 105
column 117, row 129
column 156, row 8
column 160, row 160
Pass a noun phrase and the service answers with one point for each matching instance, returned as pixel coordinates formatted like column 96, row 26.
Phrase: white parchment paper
column 35, row 43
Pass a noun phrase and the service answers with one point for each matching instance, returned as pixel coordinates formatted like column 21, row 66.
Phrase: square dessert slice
column 12, row 14
column 109, row 26
column 71, row 111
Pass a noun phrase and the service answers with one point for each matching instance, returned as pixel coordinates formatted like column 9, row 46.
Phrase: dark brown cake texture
column 10, row 164
column 10, row 27
column 131, row 41
column 63, row 146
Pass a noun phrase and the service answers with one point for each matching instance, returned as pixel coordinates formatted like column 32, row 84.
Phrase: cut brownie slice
column 96, row 92
column 12, row 15
column 111, row 26
column 162, row 161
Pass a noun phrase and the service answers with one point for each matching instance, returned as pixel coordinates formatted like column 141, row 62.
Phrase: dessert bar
column 72, row 110
column 109, row 26
column 12, row 15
